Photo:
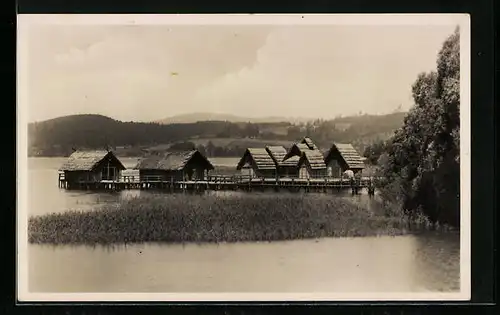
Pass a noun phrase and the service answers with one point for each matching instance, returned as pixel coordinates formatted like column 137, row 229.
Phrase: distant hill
column 196, row 117
column 58, row 136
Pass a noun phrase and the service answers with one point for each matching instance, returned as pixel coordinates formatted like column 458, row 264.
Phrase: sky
column 150, row 72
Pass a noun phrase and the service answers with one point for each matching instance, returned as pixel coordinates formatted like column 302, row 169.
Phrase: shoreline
column 407, row 233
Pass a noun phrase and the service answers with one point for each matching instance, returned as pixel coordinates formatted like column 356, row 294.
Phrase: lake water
column 413, row 263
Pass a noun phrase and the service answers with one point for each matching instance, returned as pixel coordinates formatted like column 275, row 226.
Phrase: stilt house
column 312, row 165
column 256, row 162
column 342, row 157
column 285, row 168
column 91, row 167
column 174, row 166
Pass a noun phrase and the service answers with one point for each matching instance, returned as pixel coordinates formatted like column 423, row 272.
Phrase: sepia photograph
column 243, row 157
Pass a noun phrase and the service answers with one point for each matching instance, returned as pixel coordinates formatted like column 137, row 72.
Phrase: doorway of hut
column 108, row 172
column 334, row 169
column 195, row 174
column 189, row 174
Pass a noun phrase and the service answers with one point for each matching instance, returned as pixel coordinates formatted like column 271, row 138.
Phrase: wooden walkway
column 226, row 182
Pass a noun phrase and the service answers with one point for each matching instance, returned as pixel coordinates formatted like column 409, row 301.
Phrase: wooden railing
column 365, row 181
column 292, row 179
column 144, row 178
column 228, row 178
column 129, row 178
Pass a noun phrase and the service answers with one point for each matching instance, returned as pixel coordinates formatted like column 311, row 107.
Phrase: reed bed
column 179, row 218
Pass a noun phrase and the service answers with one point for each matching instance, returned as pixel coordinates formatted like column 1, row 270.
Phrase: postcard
column 243, row 157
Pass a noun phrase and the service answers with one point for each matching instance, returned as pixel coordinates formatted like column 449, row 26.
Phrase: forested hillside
column 59, row 136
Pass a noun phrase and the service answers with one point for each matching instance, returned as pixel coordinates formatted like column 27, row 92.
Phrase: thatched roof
column 314, row 158
column 88, row 160
column 171, row 161
column 309, row 143
column 296, row 150
column 303, row 146
column 350, row 156
column 261, row 158
column 277, row 153
column 292, row 161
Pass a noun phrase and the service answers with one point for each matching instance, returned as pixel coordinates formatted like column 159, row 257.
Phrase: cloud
column 126, row 72
column 318, row 71
column 313, row 71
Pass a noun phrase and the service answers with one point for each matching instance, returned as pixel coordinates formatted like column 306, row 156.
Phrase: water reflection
column 371, row 264
column 437, row 258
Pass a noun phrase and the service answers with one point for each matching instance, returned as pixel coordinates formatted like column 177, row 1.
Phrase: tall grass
column 208, row 218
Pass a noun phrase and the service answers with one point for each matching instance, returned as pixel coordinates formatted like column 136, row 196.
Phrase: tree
column 182, row 146
column 293, row 132
column 373, row 151
column 251, row 130
column 422, row 158
column 210, row 149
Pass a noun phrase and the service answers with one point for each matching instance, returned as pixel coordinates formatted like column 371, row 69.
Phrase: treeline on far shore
column 59, row 136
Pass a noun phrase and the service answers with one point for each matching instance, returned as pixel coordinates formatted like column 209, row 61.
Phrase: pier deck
column 224, row 182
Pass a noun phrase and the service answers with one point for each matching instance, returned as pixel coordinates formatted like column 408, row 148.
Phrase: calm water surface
column 415, row 263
